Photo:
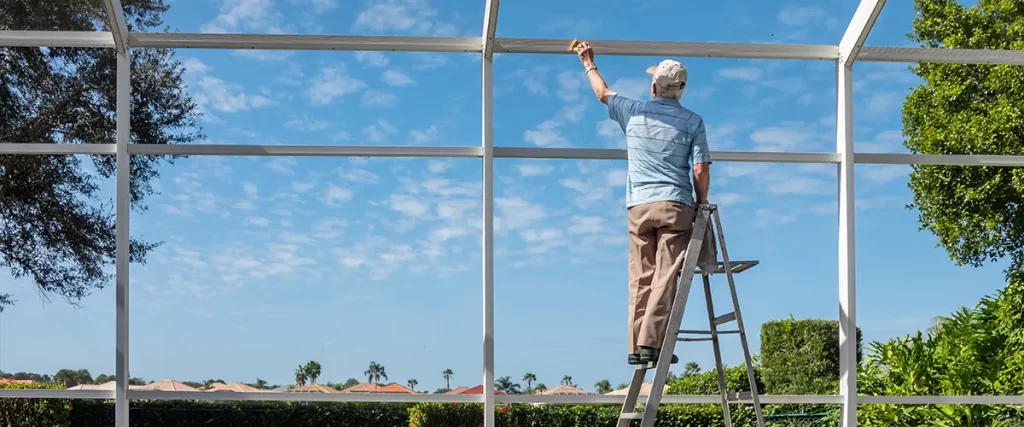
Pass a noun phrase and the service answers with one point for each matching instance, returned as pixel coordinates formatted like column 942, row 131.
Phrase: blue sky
column 270, row 262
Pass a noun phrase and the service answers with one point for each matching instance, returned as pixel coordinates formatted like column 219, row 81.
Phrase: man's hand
column 586, row 54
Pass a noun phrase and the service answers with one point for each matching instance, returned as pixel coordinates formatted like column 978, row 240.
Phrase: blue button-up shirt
column 663, row 140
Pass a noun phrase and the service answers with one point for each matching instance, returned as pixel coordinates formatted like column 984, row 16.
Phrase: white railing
column 844, row 54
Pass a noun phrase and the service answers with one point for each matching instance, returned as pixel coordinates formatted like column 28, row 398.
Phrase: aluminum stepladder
column 672, row 335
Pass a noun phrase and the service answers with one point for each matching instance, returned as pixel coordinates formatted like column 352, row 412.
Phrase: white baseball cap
column 669, row 74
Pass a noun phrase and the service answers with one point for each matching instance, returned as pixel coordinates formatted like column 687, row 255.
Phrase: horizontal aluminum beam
column 941, row 400
column 305, row 150
column 589, row 399
column 931, row 159
column 620, row 154
column 664, row 48
column 57, row 149
column 300, row 397
column 937, row 55
column 57, row 394
column 100, row 39
column 306, row 42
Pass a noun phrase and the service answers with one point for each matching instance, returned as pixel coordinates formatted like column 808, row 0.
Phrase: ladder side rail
column 719, row 368
column 675, row 319
column 754, row 393
column 629, row 405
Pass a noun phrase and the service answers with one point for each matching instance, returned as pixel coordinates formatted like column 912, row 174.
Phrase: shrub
column 707, row 382
column 34, row 412
column 801, row 356
column 526, row 415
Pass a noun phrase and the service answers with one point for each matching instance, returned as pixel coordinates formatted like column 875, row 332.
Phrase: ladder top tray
column 737, row 267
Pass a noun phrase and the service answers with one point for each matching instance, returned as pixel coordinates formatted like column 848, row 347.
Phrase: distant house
column 9, row 381
column 236, row 387
column 645, row 390
column 377, row 388
column 162, row 385
column 562, row 390
column 313, row 388
column 471, row 390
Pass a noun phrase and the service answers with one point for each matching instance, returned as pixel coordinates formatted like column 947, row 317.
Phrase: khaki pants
column 658, row 235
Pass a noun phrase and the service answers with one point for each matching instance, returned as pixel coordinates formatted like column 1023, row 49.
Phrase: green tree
column 104, row 378
column 447, row 374
column 690, row 369
column 506, row 385
column 540, row 387
column 567, row 380
column 969, row 109
column 54, row 228
column 211, row 381
column 375, row 372
column 412, row 384
column 301, row 376
column 351, row 382
column 603, row 387
column 71, row 377
column 260, row 384
column 313, row 370
column 529, row 378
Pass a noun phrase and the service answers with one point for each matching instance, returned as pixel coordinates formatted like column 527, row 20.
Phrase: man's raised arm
column 597, row 83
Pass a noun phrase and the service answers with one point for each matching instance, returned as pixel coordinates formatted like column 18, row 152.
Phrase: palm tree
column 529, row 378
column 603, row 387
column 447, row 373
column 540, row 387
column 506, row 385
column 300, row 376
column 375, row 372
column 260, row 383
column 312, row 369
column 691, row 369
column 567, row 380
column 412, row 384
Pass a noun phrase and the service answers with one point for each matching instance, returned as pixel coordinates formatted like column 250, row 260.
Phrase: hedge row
column 94, row 413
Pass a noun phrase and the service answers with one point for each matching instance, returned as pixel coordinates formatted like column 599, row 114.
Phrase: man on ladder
column 663, row 139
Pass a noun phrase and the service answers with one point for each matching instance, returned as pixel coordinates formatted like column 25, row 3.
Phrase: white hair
column 673, row 93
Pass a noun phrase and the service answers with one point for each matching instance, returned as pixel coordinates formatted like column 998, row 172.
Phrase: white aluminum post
column 118, row 25
column 847, row 270
column 122, row 242
column 487, row 136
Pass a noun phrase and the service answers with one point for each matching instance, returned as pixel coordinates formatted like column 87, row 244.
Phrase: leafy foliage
column 34, row 412
column 969, row 109
column 975, row 351
column 54, row 229
column 471, row 415
column 801, row 356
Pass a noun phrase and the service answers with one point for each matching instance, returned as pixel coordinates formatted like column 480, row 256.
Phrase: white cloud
column 250, row 189
column 616, row 177
column 216, row 94
column 890, row 141
column 609, row 128
column 282, row 165
column 590, row 193
column 794, row 15
column 408, row 205
column 332, row 83
column 878, row 174
column 317, row 6
column 258, row 221
column 336, row 194
column 429, row 61
column 782, row 138
column 534, row 169
column 533, row 79
column 372, row 58
column 376, row 98
column 395, row 78
column 437, row 166
column 414, row 16
column 425, row 135
column 569, row 85
column 884, row 102
column 742, row 73
column 587, row 225
column 796, row 184
column 515, row 213
column 635, row 88
column 245, row 16
column 729, row 198
column 380, row 131
column 358, row 175
column 301, row 187
column 306, row 123
column 545, row 135
column 773, row 217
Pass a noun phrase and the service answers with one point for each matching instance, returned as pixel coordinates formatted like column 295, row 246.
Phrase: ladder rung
column 632, row 416
column 694, row 339
column 725, row 318
column 694, row 332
